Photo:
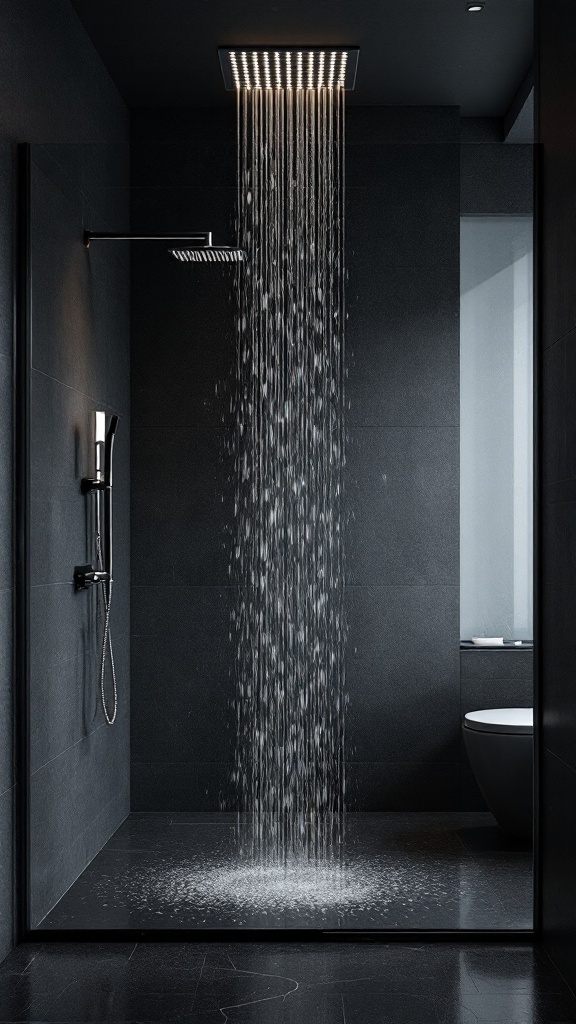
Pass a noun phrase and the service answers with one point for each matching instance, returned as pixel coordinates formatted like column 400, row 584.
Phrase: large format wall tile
column 184, row 336
column 402, row 495
column 67, row 704
column 403, row 345
column 483, row 694
column 478, row 665
column 401, row 126
column 402, row 674
column 77, row 801
column 81, row 354
column 59, row 874
column 208, row 163
column 178, row 786
column 187, row 628
column 181, row 506
column 496, row 180
column 402, row 786
column 411, row 185
column 78, row 300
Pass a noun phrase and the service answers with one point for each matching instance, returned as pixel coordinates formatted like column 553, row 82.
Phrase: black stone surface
column 395, row 870
column 261, row 983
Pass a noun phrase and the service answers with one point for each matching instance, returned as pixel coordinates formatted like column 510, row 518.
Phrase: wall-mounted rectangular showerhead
column 289, row 67
column 209, row 254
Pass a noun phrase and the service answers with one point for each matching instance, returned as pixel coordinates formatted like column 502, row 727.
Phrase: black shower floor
column 409, row 870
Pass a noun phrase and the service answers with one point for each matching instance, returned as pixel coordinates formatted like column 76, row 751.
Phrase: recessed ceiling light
column 474, row 8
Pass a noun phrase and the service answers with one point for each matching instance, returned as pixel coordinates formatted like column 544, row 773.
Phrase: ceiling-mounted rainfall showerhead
column 289, row 67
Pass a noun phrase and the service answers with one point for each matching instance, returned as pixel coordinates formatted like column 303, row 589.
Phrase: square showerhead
column 208, row 254
column 289, row 67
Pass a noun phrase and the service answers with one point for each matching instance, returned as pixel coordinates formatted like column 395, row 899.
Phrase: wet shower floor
column 397, row 870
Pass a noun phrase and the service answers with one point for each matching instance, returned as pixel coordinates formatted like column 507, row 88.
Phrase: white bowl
column 488, row 641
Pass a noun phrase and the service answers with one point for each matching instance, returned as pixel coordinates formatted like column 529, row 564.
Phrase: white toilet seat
column 514, row 721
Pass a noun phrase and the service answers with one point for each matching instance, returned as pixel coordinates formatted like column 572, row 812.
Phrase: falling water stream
column 289, row 453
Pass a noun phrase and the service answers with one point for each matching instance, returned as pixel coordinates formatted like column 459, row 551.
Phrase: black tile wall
column 402, row 472
column 183, row 352
column 556, row 32
column 187, row 628
column 53, row 89
column 405, row 335
column 497, row 180
column 404, row 192
column 396, row 479
column 182, row 503
column 79, row 784
column 402, row 674
column 402, row 572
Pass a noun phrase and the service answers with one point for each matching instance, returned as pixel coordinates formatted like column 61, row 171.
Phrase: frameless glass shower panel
column 496, row 427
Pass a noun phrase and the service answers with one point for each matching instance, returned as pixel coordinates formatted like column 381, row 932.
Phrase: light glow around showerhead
column 309, row 67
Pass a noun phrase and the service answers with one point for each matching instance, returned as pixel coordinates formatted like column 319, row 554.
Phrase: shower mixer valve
column 87, row 576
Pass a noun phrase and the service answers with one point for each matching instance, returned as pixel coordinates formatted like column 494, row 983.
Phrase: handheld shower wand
column 87, row 575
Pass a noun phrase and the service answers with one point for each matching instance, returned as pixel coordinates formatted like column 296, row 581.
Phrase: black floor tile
column 283, row 983
column 397, row 870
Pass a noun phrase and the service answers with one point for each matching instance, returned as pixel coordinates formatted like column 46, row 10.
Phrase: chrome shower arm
column 194, row 237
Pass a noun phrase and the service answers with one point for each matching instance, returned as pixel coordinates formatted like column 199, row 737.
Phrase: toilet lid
column 509, row 720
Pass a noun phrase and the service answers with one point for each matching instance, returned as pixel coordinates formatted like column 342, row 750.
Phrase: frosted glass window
column 496, row 399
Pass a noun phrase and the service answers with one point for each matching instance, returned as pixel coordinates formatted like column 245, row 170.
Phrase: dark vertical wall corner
column 556, row 34
column 54, row 90
column 79, row 767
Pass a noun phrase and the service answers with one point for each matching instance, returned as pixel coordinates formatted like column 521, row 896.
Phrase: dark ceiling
column 163, row 52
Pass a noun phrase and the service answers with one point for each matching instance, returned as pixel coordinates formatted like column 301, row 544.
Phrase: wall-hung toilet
column 499, row 744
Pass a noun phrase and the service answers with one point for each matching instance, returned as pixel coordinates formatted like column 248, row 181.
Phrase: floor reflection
column 283, row 983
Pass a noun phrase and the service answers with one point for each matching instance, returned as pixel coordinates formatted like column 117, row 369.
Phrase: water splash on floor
column 289, row 455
